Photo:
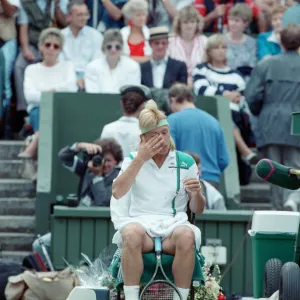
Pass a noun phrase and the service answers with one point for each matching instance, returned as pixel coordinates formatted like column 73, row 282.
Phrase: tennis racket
column 158, row 289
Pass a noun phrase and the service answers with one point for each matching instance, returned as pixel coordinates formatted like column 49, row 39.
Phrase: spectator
column 113, row 70
column 241, row 48
column 161, row 13
column 273, row 93
column 268, row 42
column 292, row 14
column 34, row 17
column 8, row 47
column 195, row 130
column 95, row 182
column 215, row 14
column 162, row 71
column 136, row 34
column 126, row 130
column 82, row 43
column 215, row 78
column 188, row 43
column 47, row 76
column 214, row 199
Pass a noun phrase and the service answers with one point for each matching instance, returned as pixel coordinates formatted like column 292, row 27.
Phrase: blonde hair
column 188, row 13
column 134, row 5
column 278, row 9
column 214, row 41
column 243, row 11
column 111, row 35
column 46, row 33
column 150, row 116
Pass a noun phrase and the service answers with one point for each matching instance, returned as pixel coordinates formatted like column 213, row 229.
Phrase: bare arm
column 9, row 10
column 60, row 16
column 193, row 187
column 123, row 183
column 23, row 32
column 113, row 11
column 219, row 11
column 24, row 41
column 197, row 203
column 170, row 8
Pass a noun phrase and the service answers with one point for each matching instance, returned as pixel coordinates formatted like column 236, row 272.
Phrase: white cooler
column 275, row 221
column 86, row 293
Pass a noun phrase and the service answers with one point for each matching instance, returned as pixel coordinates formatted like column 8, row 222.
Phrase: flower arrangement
column 211, row 289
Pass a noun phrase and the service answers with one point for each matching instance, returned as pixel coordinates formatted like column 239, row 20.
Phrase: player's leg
column 135, row 242
column 181, row 244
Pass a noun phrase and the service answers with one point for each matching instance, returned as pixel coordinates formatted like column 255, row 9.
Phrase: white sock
column 184, row 293
column 131, row 292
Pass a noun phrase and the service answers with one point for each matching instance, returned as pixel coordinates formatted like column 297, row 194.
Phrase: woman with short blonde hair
column 188, row 43
column 151, row 195
column 215, row 78
column 112, row 70
column 136, row 34
column 241, row 48
column 268, row 43
column 45, row 34
column 50, row 75
column 214, row 41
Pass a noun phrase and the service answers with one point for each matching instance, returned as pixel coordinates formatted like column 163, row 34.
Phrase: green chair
column 149, row 260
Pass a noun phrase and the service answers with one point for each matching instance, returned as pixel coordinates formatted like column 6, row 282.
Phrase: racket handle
column 157, row 244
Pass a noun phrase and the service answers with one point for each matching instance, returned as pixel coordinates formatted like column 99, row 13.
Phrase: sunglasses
column 110, row 47
column 55, row 46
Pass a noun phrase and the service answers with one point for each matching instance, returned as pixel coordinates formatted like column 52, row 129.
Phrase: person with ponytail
column 151, row 195
column 126, row 130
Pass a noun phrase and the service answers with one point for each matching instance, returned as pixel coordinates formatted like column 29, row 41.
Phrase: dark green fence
column 89, row 230
column 67, row 118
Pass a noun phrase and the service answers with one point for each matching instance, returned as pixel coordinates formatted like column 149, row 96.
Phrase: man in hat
column 162, row 71
column 126, row 129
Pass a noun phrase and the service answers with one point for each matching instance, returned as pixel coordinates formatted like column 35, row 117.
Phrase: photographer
column 96, row 180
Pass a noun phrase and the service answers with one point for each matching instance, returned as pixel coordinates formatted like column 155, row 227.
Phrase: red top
column 200, row 6
column 137, row 49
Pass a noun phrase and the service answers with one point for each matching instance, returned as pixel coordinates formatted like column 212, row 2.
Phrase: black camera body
column 97, row 159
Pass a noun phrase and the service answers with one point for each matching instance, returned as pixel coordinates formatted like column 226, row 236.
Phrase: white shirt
column 125, row 131
column 38, row 78
column 154, row 188
column 158, row 72
column 83, row 48
column 99, row 78
column 214, row 198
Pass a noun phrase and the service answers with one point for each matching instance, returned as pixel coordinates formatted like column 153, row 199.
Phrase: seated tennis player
column 150, row 198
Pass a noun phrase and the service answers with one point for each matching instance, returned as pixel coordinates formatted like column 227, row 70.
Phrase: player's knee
column 133, row 236
column 185, row 239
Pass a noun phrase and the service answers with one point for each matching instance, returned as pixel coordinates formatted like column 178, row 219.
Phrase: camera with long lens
column 97, row 159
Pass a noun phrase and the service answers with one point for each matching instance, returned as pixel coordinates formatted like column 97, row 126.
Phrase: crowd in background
column 249, row 56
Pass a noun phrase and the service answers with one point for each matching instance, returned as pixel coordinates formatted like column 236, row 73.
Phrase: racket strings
column 160, row 291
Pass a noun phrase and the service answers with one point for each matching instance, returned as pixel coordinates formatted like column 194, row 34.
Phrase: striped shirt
column 209, row 81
